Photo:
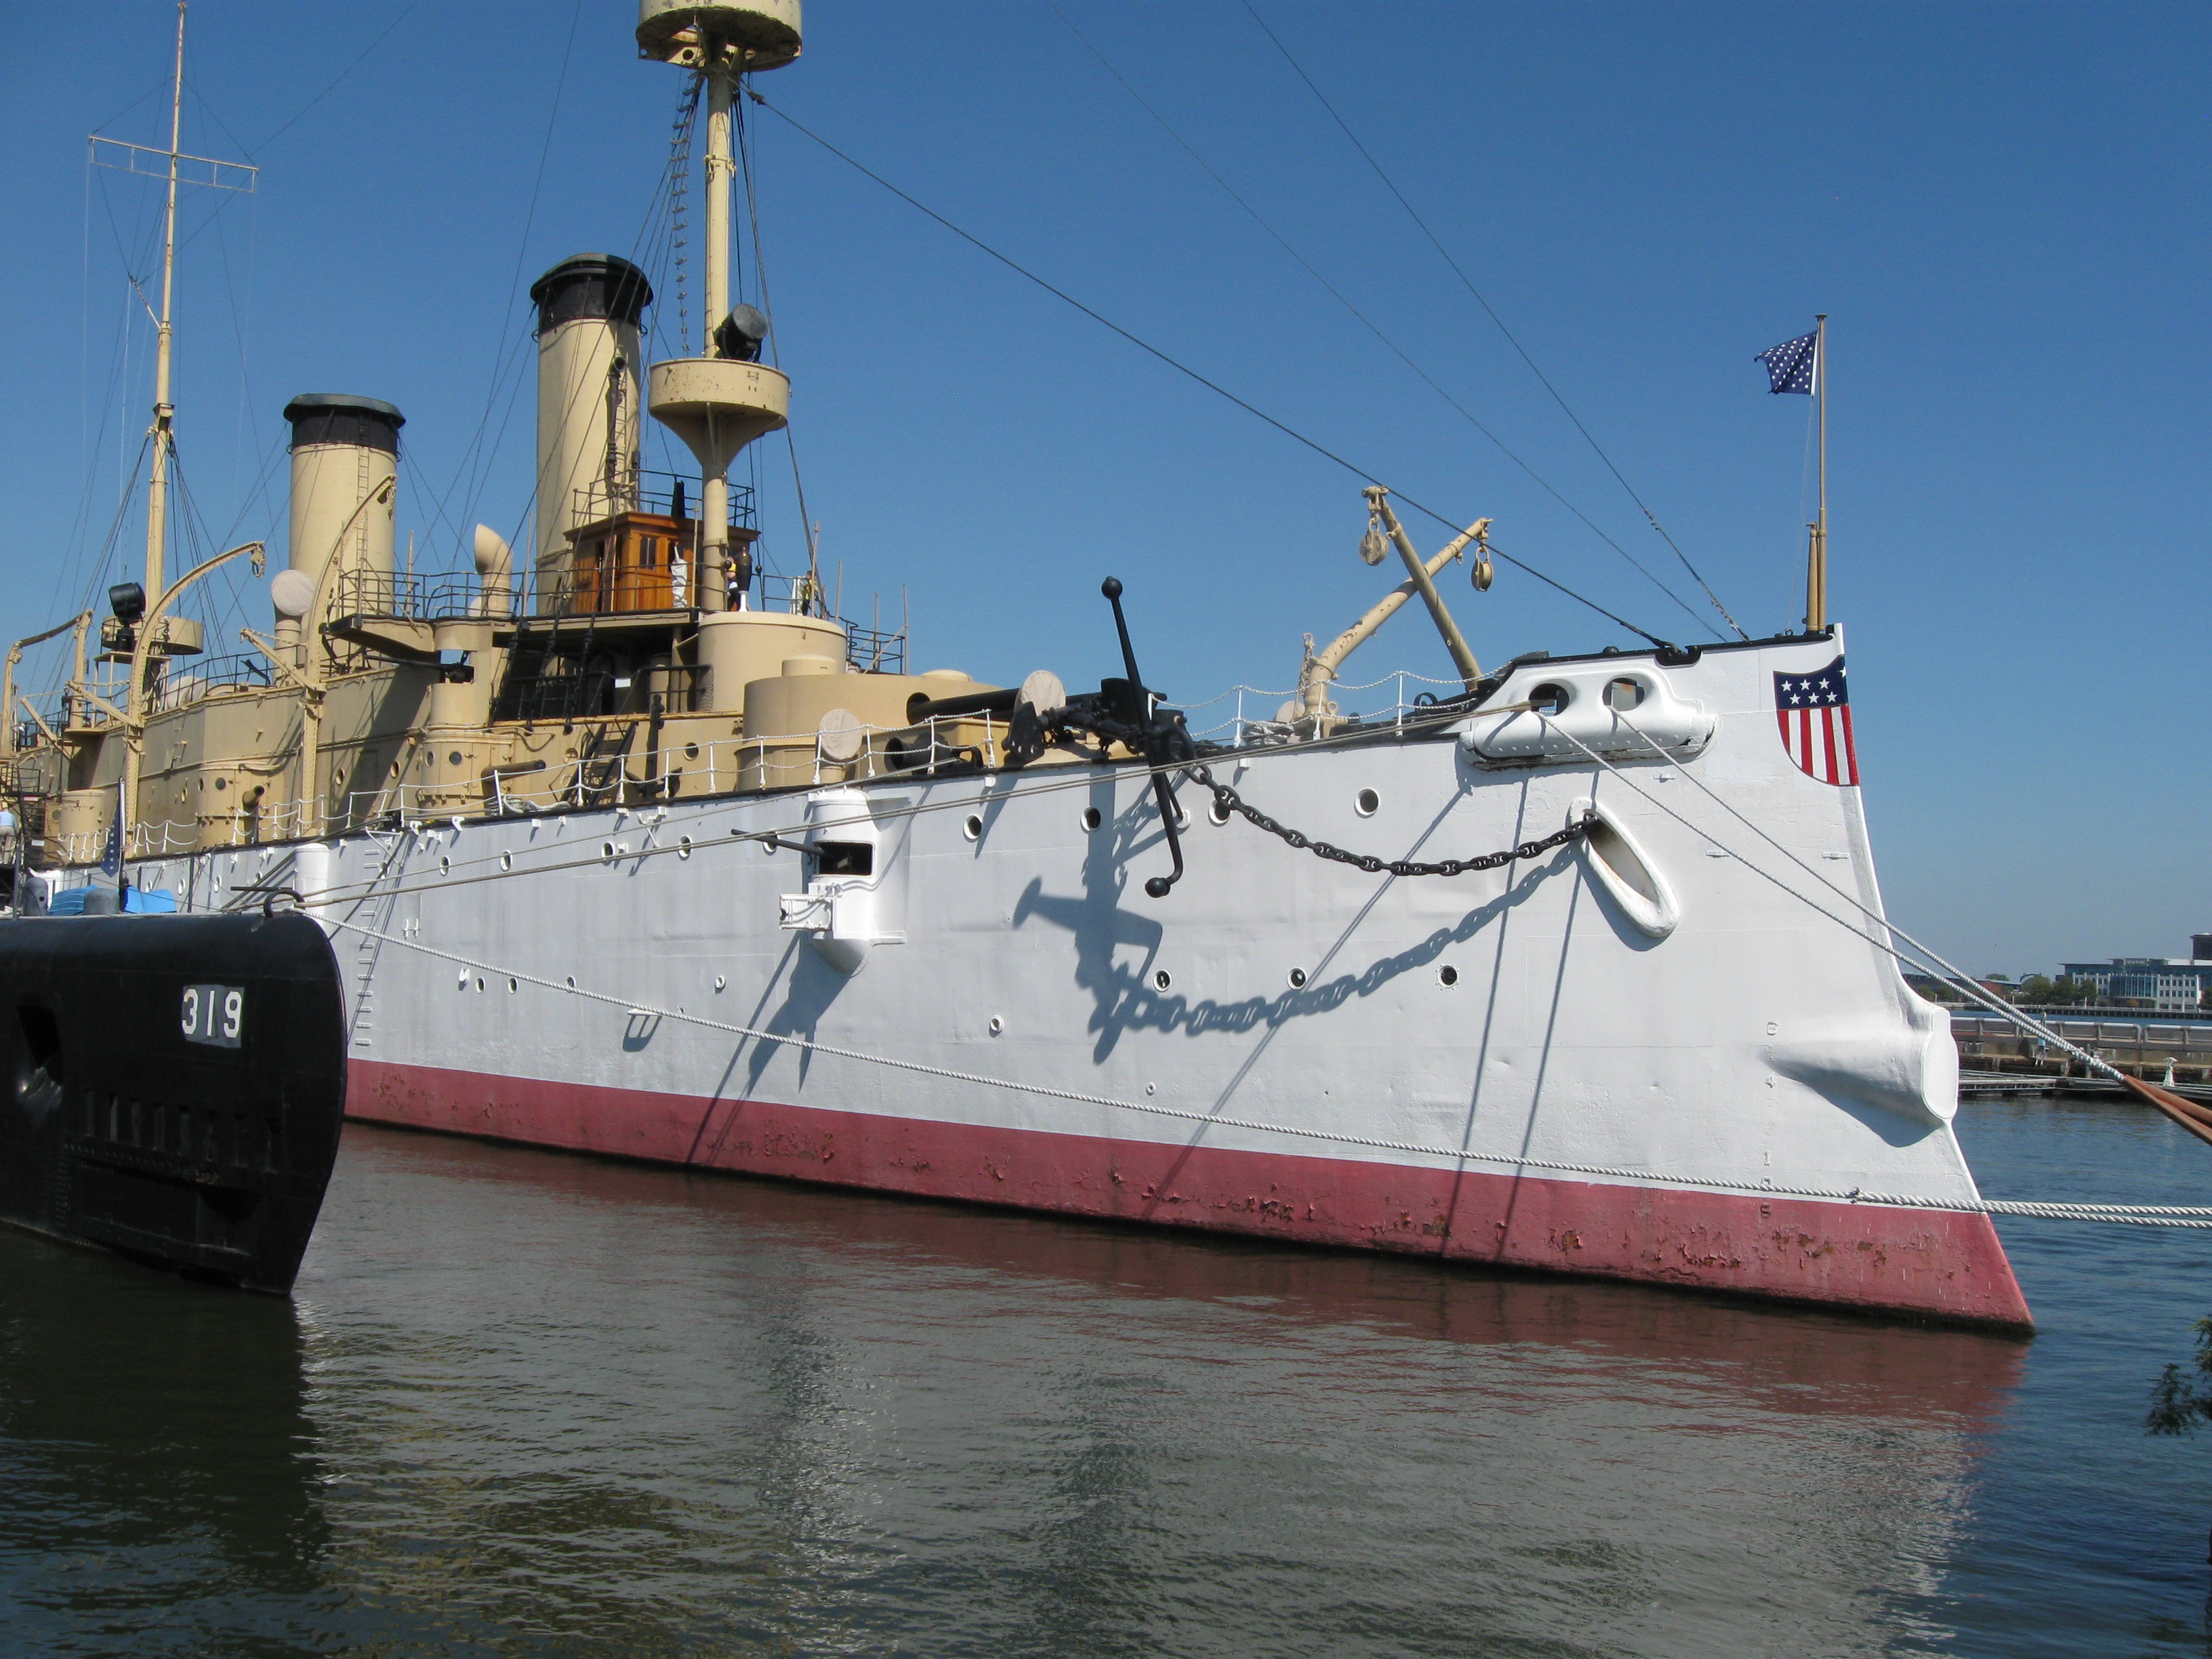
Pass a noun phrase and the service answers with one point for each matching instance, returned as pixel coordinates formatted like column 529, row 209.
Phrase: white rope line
column 1333, row 685
column 2140, row 1216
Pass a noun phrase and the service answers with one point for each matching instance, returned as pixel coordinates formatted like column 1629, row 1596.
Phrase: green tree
column 2035, row 988
column 2180, row 1402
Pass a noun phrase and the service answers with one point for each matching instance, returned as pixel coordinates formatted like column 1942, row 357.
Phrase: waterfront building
column 2169, row 984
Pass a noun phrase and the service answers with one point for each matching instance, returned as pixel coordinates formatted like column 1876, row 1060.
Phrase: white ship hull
column 1680, row 1078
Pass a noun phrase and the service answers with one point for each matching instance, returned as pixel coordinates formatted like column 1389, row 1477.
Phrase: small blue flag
column 111, row 856
column 1794, row 365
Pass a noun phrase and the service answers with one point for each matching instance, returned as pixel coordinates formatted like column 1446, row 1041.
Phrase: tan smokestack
column 588, row 310
column 344, row 450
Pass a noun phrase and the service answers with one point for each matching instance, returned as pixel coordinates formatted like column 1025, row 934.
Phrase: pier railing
column 2175, row 1049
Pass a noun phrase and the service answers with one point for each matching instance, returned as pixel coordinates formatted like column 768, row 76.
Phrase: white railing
column 1239, row 729
column 772, row 759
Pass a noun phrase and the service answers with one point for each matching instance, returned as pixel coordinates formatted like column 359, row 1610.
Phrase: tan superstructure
column 633, row 654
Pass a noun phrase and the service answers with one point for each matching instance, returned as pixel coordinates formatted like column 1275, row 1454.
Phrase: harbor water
column 529, row 1404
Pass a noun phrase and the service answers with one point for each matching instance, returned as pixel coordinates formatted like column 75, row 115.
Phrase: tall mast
column 1816, row 562
column 712, row 587
column 721, row 401
column 157, row 485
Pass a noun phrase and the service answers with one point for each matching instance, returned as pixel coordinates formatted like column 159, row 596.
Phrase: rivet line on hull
column 2132, row 1215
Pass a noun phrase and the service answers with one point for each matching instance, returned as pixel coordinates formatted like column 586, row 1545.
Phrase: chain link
column 1229, row 801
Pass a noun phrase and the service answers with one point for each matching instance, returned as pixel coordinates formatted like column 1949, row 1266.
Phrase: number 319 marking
column 214, row 1013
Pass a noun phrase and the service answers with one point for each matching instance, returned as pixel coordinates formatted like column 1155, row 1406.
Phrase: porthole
column 720, row 982
column 1448, row 975
column 974, row 828
column 1623, row 694
column 507, row 860
column 1549, row 698
column 998, row 1026
column 445, row 866
column 684, row 846
column 514, row 985
column 1091, row 818
column 1365, row 803
column 1297, row 979
column 453, row 759
column 607, row 850
column 1161, row 980
column 572, row 982
column 1218, row 812
column 479, row 985
column 690, row 751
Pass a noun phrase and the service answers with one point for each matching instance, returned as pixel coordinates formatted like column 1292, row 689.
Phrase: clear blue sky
column 2003, row 208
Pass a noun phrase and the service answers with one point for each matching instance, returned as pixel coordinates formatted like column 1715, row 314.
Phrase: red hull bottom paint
column 1926, row 1262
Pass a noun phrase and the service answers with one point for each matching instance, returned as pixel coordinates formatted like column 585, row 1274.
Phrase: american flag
column 1795, row 365
column 1814, row 713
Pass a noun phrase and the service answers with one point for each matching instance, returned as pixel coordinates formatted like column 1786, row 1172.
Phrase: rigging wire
column 93, row 441
column 650, row 250
column 511, row 354
column 301, row 114
column 679, row 176
column 1511, row 339
column 474, row 467
column 1368, row 323
column 160, row 86
column 249, row 423
column 1183, row 368
column 775, row 353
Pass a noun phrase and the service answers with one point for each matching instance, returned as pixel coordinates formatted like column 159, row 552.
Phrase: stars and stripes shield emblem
column 1814, row 713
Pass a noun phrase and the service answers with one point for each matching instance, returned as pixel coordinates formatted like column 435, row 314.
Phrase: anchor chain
column 1230, row 801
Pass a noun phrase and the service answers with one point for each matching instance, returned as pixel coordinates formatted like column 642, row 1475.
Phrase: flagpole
column 1816, row 562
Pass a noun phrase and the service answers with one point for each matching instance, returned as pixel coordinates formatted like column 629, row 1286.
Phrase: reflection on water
column 526, row 1403
column 155, row 1453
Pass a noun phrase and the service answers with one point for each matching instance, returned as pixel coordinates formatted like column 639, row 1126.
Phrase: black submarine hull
column 174, row 1087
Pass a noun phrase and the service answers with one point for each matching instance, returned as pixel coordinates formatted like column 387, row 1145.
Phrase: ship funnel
column 344, row 450
column 589, row 307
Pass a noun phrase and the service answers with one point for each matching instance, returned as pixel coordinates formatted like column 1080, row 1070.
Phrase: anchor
column 1120, row 711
